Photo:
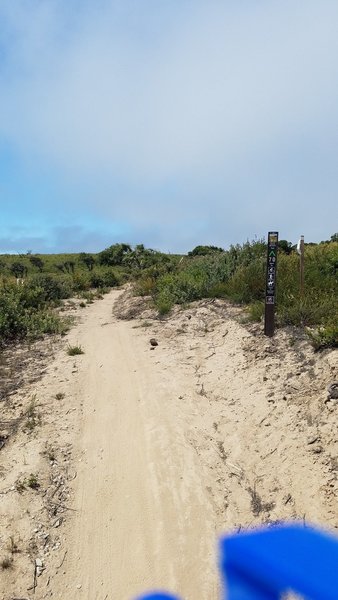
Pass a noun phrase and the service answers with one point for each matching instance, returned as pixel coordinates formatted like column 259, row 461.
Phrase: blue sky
column 166, row 122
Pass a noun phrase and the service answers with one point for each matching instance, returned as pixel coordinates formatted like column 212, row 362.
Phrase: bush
column 319, row 303
column 74, row 350
column 87, row 259
column 325, row 337
column 218, row 290
column 23, row 314
column 88, row 296
column 81, row 281
column 285, row 246
column 311, row 309
column 213, row 275
column 182, row 287
column 145, row 286
column 37, row 262
column 204, row 250
column 101, row 279
column 248, row 283
column 239, row 274
column 53, row 287
column 18, row 269
column 114, row 255
column 164, row 302
column 256, row 311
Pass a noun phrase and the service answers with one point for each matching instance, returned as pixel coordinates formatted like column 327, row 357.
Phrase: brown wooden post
column 301, row 265
column 270, row 292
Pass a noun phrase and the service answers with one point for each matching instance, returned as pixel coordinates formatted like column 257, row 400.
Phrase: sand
column 154, row 452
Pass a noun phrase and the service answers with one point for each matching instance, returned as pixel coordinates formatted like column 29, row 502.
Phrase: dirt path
column 144, row 516
column 212, row 430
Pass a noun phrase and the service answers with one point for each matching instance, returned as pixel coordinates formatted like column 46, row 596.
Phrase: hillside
column 122, row 465
column 31, row 286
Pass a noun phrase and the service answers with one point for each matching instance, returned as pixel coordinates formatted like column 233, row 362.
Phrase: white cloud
column 213, row 96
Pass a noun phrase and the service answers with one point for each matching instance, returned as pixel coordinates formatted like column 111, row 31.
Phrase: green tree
column 142, row 258
column 18, row 269
column 37, row 262
column 88, row 260
column 69, row 266
column 114, row 255
column 66, row 267
column 285, row 246
column 204, row 250
column 60, row 267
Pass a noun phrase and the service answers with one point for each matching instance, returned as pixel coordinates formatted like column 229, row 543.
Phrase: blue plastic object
column 263, row 564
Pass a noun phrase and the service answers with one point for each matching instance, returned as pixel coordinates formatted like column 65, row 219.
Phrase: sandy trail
column 215, row 429
column 210, row 431
column 144, row 517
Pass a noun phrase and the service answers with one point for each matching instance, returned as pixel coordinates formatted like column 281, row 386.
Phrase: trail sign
column 270, row 290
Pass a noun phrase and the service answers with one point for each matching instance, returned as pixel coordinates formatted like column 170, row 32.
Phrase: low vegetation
column 31, row 482
column 33, row 417
column 238, row 274
column 6, row 562
column 32, row 287
column 74, row 350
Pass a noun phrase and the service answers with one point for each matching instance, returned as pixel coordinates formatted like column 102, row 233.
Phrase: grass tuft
column 33, row 482
column 33, row 416
column 6, row 563
column 74, row 350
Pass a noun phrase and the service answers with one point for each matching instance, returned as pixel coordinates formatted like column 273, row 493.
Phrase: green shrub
column 37, row 262
column 81, row 281
column 325, row 337
column 239, row 274
column 164, row 302
column 319, row 303
column 54, row 287
column 145, row 286
column 311, row 309
column 114, row 255
column 44, row 321
column 218, row 290
column 18, row 269
column 33, row 482
column 101, row 279
column 256, row 311
column 23, row 313
column 247, row 283
column 182, row 287
column 213, row 275
column 204, row 250
column 87, row 259
column 74, row 350
column 89, row 297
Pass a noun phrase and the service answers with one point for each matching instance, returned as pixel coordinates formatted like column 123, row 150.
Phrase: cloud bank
column 188, row 121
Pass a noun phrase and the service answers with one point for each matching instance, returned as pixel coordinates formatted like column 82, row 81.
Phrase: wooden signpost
column 301, row 265
column 270, row 292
